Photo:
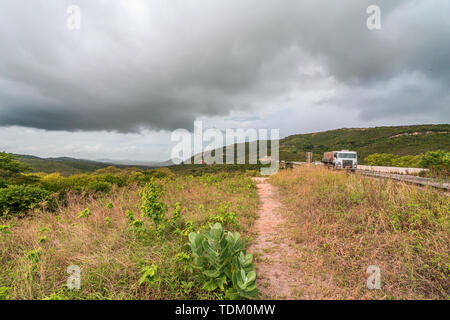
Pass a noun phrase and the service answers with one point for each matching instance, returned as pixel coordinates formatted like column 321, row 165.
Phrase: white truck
column 343, row 159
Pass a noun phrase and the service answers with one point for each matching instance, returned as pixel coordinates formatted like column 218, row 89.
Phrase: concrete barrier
column 398, row 170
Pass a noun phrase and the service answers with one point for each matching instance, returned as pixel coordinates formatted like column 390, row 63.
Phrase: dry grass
column 342, row 223
column 112, row 254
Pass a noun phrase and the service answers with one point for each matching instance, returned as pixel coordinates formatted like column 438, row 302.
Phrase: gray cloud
column 149, row 64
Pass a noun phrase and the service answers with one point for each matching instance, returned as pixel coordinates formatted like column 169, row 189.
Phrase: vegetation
column 401, row 140
column 392, row 160
column 223, row 262
column 437, row 161
column 64, row 166
column 122, row 253
column 16, row 199
column 345, row 222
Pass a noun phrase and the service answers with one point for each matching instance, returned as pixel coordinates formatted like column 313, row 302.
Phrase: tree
column 10, row 167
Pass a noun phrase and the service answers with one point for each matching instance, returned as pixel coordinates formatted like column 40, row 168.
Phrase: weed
column 149, row 275
column 86, row 213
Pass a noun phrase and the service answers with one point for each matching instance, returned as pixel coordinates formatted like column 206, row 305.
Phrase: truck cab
column 345, row 159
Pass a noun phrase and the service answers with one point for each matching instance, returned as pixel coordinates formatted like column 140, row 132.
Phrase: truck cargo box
column 328, row 157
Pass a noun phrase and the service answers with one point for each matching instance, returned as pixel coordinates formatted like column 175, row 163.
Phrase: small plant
column 151, row 204
column 225, row 216
column 56, row 296
column 129, row 215
column 86, row 213
column 182, row 257
column 44, row 230
column 187, row 287
column 177, row 212
column 34, row 256
column 108, row 220
column 5, row 229
column 222, row 260
column 132, row 222
column 42, row 239
column 137, row 223
column 188, row 228
column 149, row 275
column 4, row 293
column 109, row 205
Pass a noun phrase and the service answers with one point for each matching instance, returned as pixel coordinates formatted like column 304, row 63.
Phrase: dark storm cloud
column 149, row 64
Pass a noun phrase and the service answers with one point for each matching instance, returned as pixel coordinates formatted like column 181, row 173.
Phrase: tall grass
column 346, row 222
column 113, row 253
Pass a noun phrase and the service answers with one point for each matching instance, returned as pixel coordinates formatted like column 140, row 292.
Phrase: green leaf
column 210, row 285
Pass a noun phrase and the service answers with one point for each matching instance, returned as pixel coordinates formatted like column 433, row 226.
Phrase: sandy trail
column 272, row 248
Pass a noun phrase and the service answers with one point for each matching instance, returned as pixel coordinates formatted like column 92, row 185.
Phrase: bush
column 386, row 159
column 162, row 173
column 16, row 199
column 151, row 204
column 3, row 183
column 223, row 262
column 111, row 179
column 437, row 161
column 99, row 186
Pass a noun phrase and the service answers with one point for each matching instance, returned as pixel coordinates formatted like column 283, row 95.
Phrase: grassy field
column 122, row 255
column 129, row 232
column 343, row 223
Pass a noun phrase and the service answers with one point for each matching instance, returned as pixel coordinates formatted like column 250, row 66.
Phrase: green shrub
column 99, row 186
column 151, row 204
column 386, row 159
column 162, row 173
column 111, row 179
column 223, row 262
column 16, row 199
column 3, row 183
column 437, row 160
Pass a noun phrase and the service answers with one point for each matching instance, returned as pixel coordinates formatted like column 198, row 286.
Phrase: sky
column 135, row 71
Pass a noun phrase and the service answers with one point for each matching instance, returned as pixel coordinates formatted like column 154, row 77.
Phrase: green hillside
column 401, row 140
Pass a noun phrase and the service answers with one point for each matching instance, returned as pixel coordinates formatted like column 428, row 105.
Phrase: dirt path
column 272, row 249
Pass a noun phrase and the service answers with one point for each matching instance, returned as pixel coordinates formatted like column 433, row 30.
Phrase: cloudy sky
column 138, row 69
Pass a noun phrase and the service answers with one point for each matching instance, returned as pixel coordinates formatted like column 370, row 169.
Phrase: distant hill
column 153, row 164
column 399, row 140
column 68, row 166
